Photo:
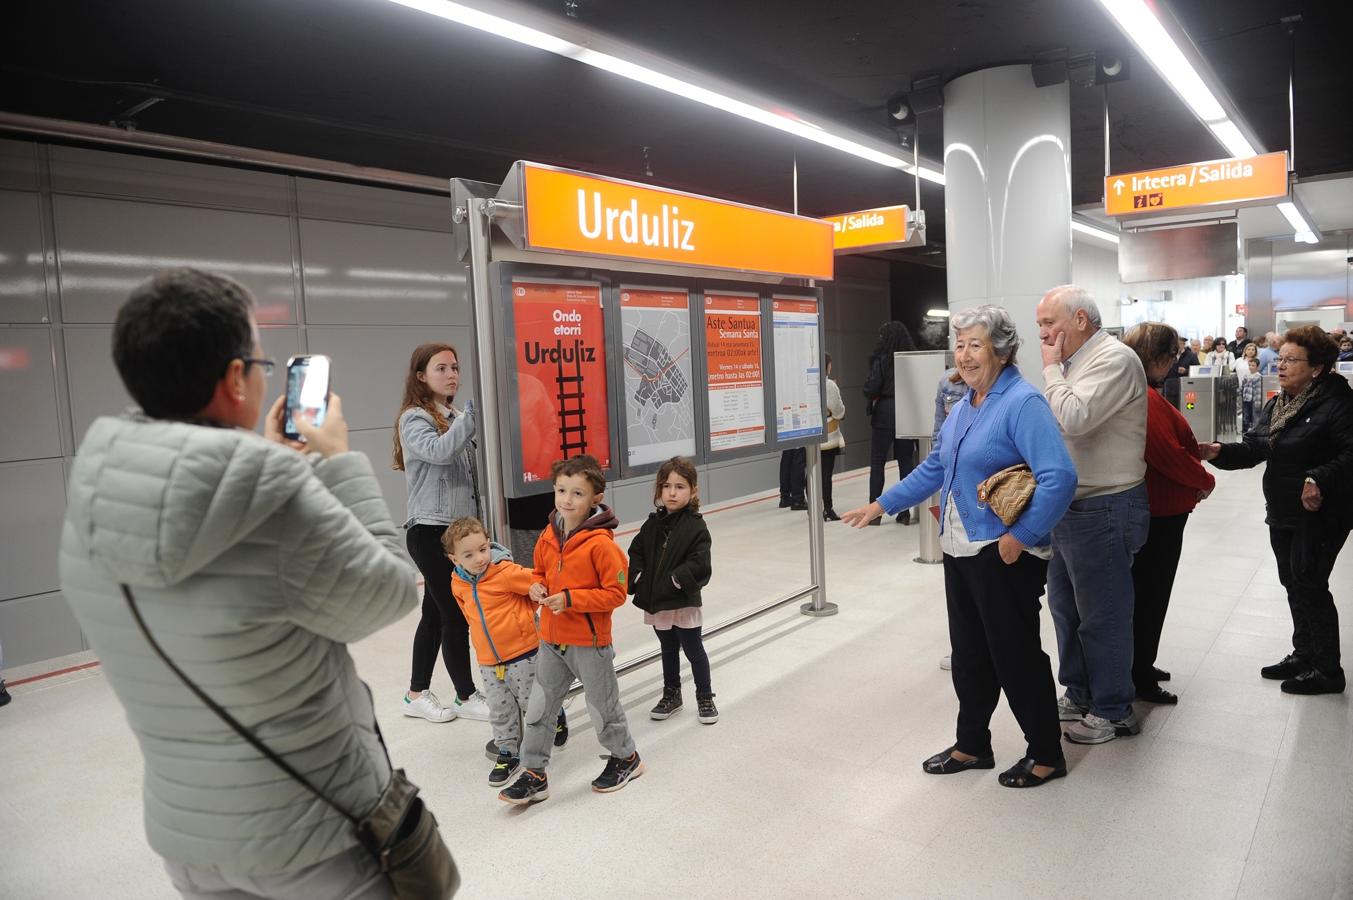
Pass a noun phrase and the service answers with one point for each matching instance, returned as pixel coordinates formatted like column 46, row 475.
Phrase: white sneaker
column 476, row 708
column 946, row 663
column 427, row 707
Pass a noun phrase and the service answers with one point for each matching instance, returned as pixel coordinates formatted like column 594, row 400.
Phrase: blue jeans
column 1090, row 596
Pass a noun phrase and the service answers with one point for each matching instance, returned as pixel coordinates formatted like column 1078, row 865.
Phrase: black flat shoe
column 830, row 516
column 943, row 763
column 1021, row 774
column 1314, row 682
column 1156, row 694
column 1160, row 674
column 904, row 517
column 1287, row 667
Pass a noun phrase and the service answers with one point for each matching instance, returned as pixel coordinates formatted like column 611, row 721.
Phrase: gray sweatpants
column 352, row 875
column 595, row 668
column 507, row 699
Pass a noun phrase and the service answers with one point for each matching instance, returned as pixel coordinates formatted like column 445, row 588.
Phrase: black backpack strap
column 227, row 717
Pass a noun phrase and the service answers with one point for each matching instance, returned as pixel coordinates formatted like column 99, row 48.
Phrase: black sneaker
column 904, row 517
column 503, row 769
column 798, row 505
column 784, row 503
column 669, row 705
column 4, row 694
column 561, row 729
column 830, row 516
column 1313, row 681
column 531, row 787
column 706, row 711
column 617, row 772
column 1288, row 667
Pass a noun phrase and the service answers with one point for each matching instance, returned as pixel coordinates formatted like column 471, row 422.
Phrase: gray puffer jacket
column 253, row 569
column 439, row 469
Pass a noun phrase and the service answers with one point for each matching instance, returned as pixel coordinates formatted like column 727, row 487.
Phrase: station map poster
column 655, row 330
column 737, row 413
column 561, row 374
column 798, row 372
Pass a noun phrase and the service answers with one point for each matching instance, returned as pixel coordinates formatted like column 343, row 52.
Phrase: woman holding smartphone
column 435, row 448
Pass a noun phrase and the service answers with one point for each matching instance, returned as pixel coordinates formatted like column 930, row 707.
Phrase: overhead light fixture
column 937, row 313
column 1304, row 231
column 1092, row 231
column 752, row 108
column 1144, row 24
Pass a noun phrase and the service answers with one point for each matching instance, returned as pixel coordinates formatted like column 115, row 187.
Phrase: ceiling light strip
column 1092, row 231
column 774, row 116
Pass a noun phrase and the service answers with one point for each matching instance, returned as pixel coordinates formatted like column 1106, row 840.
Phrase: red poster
column 561, row 374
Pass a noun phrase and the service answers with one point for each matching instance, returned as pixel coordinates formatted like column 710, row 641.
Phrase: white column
column 1007, row 195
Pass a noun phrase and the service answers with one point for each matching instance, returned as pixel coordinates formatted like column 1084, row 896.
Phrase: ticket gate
column 1210, row 405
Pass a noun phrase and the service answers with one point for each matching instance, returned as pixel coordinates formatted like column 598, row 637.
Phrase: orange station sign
column 869, row 228
column 1220, row 182
column 575, row 212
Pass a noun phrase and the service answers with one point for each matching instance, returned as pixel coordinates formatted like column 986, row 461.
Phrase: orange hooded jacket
column 591, row 570
column 502, row 618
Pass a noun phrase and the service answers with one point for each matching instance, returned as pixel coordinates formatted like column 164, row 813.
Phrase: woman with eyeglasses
column 1305, row 434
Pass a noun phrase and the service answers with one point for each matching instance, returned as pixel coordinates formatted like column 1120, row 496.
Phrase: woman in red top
column 1175, row 482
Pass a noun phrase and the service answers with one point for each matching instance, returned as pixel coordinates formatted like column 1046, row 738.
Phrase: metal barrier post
column 818, row 606
column 930, row 526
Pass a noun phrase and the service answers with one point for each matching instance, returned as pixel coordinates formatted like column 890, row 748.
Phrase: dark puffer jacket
column 670, row 545
column 1317, row 442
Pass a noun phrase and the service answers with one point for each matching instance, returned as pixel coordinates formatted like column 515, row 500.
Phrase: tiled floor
column 810, row 785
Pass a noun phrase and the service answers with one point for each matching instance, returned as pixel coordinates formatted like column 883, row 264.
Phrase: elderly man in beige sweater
column 1097, row 390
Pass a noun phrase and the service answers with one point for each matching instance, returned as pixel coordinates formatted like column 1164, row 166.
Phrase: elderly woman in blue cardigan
column 993, row 574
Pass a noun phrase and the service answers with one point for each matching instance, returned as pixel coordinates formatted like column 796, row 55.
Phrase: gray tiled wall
column 360, row 273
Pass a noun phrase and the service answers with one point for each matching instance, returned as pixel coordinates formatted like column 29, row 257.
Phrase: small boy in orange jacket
column 492, row 592
column 580, row 577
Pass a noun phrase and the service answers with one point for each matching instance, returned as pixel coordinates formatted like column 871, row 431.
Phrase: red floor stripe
column 717, row 509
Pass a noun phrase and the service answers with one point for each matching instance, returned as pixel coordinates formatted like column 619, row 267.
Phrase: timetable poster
column 560, row 360
column 798, row 372
column 737, row 413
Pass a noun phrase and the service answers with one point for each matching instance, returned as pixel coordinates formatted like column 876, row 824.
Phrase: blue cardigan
column 1014, row 424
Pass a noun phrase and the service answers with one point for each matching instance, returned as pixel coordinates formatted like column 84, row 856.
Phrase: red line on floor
column 67, row 671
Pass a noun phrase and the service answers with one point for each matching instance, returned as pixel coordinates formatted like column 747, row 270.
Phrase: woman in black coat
column 1305, row 434
column 879, row 392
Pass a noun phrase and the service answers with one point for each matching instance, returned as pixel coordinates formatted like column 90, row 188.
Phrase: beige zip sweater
column 1100, row 402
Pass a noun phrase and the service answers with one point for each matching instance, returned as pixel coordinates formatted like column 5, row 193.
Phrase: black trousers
column 688, row 641
column 1306, row 576
column 882, row 442
column 828, row 466
column 1153, row 572
column 793, row 473
column 442, row 624
column 993, row 629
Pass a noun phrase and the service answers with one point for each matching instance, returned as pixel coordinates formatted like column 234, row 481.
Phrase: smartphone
column 307, row 390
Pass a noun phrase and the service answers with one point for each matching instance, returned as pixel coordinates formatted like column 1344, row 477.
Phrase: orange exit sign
column 871, row 229
column 1219, row 182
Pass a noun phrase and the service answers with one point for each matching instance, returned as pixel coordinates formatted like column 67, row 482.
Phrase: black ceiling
column 372, row 83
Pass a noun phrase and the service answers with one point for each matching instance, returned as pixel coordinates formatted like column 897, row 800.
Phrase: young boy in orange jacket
column 580, row 577
column 492, row 592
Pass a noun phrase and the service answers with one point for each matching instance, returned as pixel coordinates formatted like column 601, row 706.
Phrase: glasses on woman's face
column 1291, row 360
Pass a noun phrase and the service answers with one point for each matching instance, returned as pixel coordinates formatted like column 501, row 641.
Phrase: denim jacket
column 439, row 469
column 1013, row 425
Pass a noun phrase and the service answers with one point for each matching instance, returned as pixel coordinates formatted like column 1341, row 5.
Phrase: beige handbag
column 1008, row 492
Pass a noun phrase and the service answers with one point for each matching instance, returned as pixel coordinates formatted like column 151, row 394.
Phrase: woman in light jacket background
column 833, row 445
column 434, row 447
column 994, row 574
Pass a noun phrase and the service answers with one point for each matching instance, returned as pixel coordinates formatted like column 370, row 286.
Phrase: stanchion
column 818, row 606
column 930, row 526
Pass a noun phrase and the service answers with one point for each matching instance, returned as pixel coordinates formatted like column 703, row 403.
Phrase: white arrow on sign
column 1118, row 187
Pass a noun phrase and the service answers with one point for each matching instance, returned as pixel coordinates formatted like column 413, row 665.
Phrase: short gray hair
column 999, row 325
column 1074, row 297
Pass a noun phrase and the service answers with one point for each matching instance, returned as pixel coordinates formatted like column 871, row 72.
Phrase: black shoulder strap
column 227, row 717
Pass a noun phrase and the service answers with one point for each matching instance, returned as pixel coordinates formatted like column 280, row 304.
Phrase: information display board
column 659, row 396
column 560, row 366
column 733, row 361
column 798, row 367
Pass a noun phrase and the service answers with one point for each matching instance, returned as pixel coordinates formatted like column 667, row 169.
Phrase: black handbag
column 400, row 833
